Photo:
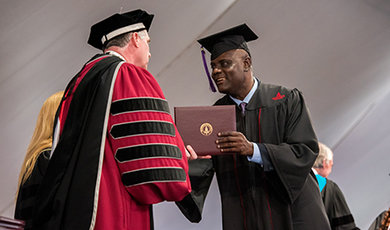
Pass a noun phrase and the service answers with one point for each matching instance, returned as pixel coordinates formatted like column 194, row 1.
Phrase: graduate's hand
column 191, row 154
column 234, row 142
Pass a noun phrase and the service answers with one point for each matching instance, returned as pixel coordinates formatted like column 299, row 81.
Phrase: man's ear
column 135, row 38
column 247, row 64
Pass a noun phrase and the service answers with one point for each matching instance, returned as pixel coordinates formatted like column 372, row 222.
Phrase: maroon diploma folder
column 199, row 126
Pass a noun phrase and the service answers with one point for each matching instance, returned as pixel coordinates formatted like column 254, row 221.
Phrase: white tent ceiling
column 336, row 52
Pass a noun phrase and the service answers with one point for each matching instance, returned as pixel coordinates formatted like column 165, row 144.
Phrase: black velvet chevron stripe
column 148, row 151
column 139, row 104
column 143, row 127
column 153, row 175
column 342, row 220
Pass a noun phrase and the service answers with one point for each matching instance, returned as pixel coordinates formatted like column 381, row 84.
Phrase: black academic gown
column 336, row 207
column 279, row 195
column 28, row 191
column 71, row 175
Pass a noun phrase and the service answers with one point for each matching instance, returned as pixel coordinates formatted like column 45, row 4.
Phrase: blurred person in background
column 36, row 159
column 340, row 217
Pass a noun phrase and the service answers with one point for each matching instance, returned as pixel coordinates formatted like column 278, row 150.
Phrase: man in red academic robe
column 117, row 150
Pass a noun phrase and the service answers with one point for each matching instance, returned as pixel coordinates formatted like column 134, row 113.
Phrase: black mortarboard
column 233, row 38
column 230, row 39
column 119, row 24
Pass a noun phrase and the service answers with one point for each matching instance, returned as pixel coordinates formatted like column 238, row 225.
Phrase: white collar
column 248, row 96
column 111, row 52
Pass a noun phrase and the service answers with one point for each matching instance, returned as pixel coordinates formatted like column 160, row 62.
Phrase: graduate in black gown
column 339, row 215
column 264, row 177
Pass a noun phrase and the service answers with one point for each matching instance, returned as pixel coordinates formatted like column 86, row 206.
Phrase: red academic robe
column 140, row 158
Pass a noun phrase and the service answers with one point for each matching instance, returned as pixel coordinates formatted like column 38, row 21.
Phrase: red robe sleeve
column 148, row 149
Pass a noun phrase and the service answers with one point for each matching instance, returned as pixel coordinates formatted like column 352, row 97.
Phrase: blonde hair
column 324, row 154
column 42, row 136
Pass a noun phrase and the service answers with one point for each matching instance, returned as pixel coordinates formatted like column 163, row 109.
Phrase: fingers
column 240, row 148
column 229, row 150
column 228, row 133
column 230, row 136
column 234, row 142
column 226, row 141
column 190, row 152
column 188, row 155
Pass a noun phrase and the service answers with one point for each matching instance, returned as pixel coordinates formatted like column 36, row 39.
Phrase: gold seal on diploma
column 206, row 129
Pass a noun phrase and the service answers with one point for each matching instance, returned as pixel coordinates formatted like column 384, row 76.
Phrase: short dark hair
column 120, row 41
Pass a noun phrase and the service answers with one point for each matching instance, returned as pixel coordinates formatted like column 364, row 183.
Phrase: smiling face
column 231, row 73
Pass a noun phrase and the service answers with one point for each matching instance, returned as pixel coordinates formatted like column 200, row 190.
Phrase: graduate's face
column 229, row 73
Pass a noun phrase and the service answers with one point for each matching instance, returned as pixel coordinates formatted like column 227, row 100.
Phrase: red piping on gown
column 266, row 188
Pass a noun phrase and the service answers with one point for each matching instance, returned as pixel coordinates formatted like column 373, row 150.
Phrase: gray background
column 337, row 52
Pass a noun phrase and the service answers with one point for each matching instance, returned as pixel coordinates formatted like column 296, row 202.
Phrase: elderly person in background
column 336, row 207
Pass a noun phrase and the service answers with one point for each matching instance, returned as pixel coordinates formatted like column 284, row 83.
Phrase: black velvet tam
column 119, row 24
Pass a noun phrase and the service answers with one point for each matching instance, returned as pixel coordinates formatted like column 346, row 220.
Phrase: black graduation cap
column 230, row 39
column 119, row 24
column 233, row 38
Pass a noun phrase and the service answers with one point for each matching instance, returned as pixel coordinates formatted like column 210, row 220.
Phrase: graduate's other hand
column 191, row 154
column 234, row 142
